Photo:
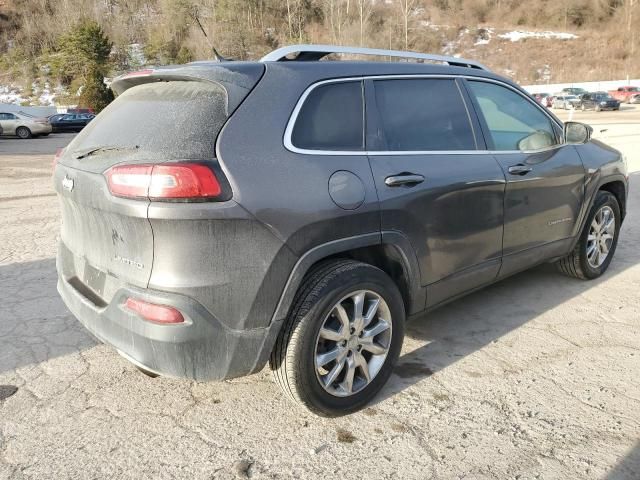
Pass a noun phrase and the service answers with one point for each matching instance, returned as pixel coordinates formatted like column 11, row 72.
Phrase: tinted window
column 332, row 118
column 514, row 122
column 422, row 115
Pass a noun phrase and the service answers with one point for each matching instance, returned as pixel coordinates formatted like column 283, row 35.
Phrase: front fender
column 603, row 164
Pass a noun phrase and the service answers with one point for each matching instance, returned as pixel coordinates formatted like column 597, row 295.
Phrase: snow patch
column 517, row 35
column 40, row 95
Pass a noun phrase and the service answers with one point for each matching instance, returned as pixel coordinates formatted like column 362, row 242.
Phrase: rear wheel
column 593, row 253
column 342, row 338
column 23, row 132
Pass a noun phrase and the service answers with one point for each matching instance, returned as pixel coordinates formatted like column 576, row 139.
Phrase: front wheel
column 597, row 243
column 342, row 338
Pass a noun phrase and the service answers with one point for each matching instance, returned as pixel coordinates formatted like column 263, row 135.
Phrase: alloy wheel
column 353, row 343
column 601, row 235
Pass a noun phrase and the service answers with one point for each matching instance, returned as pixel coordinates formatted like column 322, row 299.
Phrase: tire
column 295, row 356
column 577, row 264
column 23, row 133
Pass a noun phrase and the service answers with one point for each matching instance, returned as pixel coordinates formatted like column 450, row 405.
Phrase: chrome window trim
column 294, row 116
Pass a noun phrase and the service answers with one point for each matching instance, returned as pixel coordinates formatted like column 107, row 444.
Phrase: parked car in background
column 194, row 257
column 598, row 101
column 574, row 91
column 23, row 125
column 626, row 94
column 545, row 99
column 565, row 102
column 541, row 98
column 80, row 110
column 73, row 122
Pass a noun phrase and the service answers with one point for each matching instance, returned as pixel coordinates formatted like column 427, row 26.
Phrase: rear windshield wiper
column 87, row 152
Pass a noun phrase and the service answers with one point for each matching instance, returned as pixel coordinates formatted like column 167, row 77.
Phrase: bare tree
column 406, row 10
column 364, row 12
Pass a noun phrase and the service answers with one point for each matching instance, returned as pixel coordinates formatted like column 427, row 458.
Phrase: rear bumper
column 202, row 348
column 39, row 129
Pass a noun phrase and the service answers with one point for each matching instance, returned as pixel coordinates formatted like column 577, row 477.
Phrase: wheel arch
column 389, row 251
column 616, row 185
column 617, row 189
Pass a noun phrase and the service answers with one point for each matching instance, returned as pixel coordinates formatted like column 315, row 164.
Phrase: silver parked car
column 23, row 125
column 566, row 102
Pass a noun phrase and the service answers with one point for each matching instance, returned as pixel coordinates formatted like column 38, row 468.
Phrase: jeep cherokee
column 219, row 216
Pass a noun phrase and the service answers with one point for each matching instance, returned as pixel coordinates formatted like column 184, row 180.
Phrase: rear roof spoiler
column 235, row 74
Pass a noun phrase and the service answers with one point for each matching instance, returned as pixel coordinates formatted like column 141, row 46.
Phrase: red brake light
column 163, row 181
column 154, row 313
column 138, row 73
column 130, row 181
column 57, row 156
column 183, row 180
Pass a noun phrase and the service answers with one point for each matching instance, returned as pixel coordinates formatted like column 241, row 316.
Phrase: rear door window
column 514, row 122
column 174, row 120
column 331, row 118
column 423, row 115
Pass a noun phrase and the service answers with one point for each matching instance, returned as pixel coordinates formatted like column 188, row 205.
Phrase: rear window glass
column 332, row 118
column 423, row 115
column 176, row 120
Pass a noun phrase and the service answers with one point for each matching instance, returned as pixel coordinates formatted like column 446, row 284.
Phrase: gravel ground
column 535, row 377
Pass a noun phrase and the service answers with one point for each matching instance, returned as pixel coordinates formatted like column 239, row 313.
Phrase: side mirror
column 576, row 133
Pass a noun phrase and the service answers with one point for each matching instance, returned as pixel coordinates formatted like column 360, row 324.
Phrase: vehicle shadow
column 35, row 325
column 466, row 325
column 628, row 468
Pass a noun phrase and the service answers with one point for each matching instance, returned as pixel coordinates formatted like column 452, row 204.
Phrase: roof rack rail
column 316, row 52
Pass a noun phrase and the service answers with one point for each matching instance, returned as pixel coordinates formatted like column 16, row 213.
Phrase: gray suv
column 219, row 216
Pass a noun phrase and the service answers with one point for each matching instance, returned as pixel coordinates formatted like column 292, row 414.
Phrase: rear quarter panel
column 288, row 192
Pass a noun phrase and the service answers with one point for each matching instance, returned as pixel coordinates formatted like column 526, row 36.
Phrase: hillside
column 538, row 41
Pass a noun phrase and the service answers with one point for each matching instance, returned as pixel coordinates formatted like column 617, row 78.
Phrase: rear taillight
column 138, row 73
column 57, row 156
column 167, row 181
column 131, row 181
column 154, row 312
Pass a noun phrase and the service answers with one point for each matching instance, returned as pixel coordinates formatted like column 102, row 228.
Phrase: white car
column 23, row 125
column 566, row 101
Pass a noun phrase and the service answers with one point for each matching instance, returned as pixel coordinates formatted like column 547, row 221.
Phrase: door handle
column 519, row 169
column 408, row 179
